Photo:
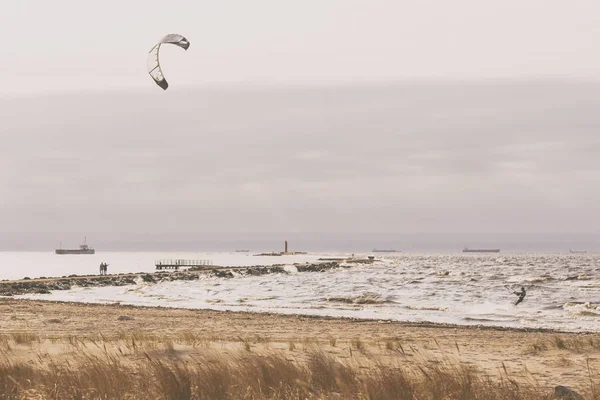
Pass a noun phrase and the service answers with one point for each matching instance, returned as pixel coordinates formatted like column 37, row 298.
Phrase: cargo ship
column 242, row 251
column 467, row 250
column 83, row 249
column 578, row 251
column 385, row 251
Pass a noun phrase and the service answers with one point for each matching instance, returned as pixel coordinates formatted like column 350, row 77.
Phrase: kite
column 153, row 60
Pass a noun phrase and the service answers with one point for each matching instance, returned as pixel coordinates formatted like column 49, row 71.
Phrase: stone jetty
column 46, row 285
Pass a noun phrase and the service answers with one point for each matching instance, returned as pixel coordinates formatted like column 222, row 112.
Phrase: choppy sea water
column 563, row 290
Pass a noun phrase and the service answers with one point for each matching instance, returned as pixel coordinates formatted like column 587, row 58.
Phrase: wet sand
column 546, row 357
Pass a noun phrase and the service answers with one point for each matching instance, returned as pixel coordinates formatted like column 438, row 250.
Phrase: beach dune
column 58, row 331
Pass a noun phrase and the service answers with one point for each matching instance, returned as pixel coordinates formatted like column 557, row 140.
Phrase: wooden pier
column 180, row 263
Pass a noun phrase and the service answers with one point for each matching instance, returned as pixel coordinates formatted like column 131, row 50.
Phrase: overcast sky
column 72, row 45
column 363, row 116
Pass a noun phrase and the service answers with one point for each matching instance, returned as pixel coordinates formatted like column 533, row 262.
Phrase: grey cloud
column 475, row 155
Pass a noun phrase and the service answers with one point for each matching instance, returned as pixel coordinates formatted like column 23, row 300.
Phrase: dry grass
column 394, row 345
column 332, row 341
column 572, row 343
column 133, row 339
column 138, row 365
column 93, row 374
column 24, row 338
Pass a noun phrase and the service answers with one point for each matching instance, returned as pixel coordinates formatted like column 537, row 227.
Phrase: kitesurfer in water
column 521, row 295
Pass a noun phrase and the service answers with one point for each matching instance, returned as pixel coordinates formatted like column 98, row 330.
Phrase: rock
column 566, row 393
column 264, row 270
column 125, row 318
column 122, row 281
column 253, row 271
column 222, row 274
column 317, row 267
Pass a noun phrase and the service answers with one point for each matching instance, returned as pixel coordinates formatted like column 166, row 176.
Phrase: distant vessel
column 83, row 249
column 242, row 251
column 385, row 251
column 467, row 250
column 578, row 251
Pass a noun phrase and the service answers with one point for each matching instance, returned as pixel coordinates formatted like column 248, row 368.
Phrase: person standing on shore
column 103, row 268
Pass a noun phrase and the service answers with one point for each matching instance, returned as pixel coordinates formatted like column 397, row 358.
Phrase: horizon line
column 224, row 85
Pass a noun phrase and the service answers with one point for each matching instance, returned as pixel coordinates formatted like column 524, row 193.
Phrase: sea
column 563, row 289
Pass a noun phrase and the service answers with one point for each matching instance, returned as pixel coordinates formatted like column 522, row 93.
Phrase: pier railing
column 177, row 263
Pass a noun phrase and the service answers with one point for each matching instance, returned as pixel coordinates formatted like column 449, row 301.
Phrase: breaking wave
column 366, row 298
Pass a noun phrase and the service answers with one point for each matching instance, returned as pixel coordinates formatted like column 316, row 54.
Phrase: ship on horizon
column 467, row 250
column 385, row 251
column 578, row 251
column 83, row 249
column 242, row 251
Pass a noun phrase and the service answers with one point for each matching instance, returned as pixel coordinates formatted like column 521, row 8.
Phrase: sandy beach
column 544, row 358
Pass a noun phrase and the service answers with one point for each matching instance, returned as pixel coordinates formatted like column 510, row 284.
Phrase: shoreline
column 353, row 320
column 44, row 285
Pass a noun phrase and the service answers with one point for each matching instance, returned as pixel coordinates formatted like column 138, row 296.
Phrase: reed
column 252, row 375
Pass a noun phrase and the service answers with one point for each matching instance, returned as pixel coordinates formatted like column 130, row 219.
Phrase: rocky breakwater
column 46, row 285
